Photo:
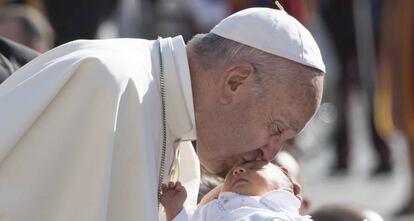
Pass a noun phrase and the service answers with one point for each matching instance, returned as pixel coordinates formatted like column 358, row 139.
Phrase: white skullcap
column 272, row 31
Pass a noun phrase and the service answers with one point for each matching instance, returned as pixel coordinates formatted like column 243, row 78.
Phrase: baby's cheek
column 226, row 186
column 275, row 184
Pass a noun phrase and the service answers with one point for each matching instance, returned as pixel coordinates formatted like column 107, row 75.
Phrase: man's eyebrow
column 274, row 123
column 277, row 121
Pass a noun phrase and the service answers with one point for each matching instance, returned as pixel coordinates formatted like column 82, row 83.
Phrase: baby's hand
column 172, row 198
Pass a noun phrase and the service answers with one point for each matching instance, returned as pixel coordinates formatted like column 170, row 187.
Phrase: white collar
column 179, row 96
column 277, row 199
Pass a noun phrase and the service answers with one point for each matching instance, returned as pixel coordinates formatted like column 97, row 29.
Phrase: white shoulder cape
column 80, row 131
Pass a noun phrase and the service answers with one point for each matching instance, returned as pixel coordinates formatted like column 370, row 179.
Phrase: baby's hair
column 284, row 172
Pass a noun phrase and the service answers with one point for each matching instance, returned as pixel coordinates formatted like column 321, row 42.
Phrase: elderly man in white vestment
column 91, row 128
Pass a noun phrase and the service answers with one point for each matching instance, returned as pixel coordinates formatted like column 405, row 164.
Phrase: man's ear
column 236, row 78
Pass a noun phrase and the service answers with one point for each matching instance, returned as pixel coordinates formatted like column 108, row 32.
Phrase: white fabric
column 277, row 205
column 272, row 31
column 80, row 132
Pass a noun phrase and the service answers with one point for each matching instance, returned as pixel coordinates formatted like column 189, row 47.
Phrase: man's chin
column 220, row 171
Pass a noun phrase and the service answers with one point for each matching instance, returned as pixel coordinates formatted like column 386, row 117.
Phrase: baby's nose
column 238, row 170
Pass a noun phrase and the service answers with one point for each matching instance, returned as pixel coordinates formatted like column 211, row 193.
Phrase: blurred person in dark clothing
column 12, row 56
column 26, row 25
column 77, row 19
column 339, row 19
column 342, row 212
column 38, row 4
column 24, row 33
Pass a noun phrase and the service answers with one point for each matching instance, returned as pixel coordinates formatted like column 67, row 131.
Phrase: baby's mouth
column 239, row 181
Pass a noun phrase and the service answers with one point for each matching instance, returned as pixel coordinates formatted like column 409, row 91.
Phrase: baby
column 255, row 190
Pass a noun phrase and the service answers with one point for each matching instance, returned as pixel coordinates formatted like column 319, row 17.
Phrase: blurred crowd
column 372, row 42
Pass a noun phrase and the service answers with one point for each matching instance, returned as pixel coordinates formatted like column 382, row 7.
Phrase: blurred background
column 359, row 148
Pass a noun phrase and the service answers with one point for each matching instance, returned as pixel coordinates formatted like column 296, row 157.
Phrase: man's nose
column 269, row 152
column 238, row 170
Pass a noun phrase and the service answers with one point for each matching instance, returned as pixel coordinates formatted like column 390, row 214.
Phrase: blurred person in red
column 296, row 8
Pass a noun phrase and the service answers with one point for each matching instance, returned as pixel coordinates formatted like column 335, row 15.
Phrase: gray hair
column 213, row 51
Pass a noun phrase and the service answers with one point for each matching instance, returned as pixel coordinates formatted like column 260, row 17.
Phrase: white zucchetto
column 273, row 31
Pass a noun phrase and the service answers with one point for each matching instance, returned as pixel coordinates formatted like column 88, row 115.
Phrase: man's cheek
column 210, row 166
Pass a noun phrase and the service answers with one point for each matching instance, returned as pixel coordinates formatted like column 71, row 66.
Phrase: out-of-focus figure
column 22, row 28
column 13, row 56
column 396, row 79
column 152, row 18
column 342, row 212
column 356, row 71
column 296, row 8
column 77, row 19
column 26, row 25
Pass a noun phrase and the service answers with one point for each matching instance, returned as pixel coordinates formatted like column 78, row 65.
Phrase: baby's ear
column 297, row 189
column 285, row 170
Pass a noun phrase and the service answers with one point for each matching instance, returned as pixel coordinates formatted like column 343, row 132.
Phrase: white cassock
column 81, row 131
column 277, row 205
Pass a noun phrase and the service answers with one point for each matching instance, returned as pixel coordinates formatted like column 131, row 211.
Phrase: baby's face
column 256, row 178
